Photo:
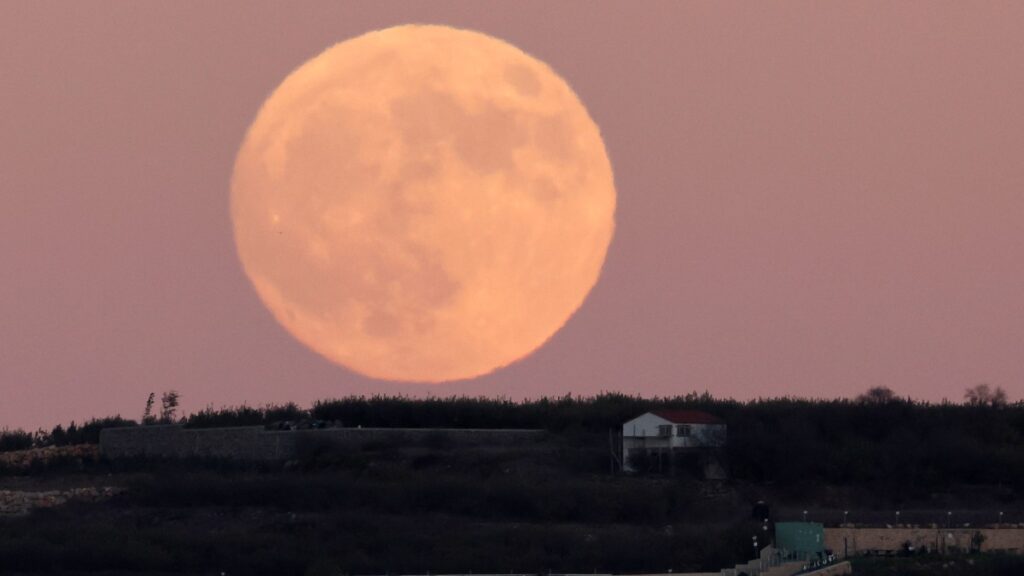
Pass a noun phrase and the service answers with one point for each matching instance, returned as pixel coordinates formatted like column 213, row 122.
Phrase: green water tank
column 800, row 539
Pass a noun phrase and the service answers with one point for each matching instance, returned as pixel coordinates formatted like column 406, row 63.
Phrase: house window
column 665, row 430
column 683, row 430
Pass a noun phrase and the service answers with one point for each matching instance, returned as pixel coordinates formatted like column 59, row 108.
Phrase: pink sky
column 814, row 198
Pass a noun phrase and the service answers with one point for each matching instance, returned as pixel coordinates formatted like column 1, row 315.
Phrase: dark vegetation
column 903, row 447
column 87, row 433
column 555, row 506
column 930, row 565
column 11, row 440
column 384, row 508
column 879, row 441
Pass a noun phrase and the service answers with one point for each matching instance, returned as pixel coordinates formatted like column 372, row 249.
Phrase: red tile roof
column 687, row 417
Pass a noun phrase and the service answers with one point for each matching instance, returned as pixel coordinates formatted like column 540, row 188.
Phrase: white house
column 669, row 432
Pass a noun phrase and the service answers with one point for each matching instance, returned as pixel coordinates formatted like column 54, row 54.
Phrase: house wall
column 633, row 445
column 254, row 443
column 646, row 427
column 641, row 433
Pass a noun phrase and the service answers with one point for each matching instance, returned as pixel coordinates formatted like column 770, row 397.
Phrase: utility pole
column 611, row 452
column 756, row 555
column 615, row 458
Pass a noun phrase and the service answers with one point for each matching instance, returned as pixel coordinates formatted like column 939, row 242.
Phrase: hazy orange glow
column 423, row 203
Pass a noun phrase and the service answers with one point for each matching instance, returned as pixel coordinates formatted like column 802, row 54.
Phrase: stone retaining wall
column 254, row 443
column 854, row 541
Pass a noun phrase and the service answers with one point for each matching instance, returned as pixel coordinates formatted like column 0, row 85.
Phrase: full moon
column 423, row 203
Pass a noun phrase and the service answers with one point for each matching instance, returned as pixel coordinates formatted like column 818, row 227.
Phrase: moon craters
column 433, row 216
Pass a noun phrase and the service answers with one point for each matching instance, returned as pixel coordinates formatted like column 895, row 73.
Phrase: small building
column 662, row 435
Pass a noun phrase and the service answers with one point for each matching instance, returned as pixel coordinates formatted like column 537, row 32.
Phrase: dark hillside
column 390, row 507
column 904, row 448
column 381, row 509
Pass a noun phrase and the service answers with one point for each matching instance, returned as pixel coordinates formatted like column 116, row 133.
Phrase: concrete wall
column 854, row 541
column 253, row 443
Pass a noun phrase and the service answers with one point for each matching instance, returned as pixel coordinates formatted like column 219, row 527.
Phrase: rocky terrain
column 22, row 460
column 20, row 498
column 20, row 502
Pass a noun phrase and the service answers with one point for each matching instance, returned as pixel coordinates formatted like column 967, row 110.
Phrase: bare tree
column 147, row 415
column 984, row 395
column 877, row 395
column 168, row 406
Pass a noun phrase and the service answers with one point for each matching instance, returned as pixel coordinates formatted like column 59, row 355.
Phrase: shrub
column 11, row 440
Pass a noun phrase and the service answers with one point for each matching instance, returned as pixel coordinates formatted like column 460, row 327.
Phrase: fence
column 1010, row 517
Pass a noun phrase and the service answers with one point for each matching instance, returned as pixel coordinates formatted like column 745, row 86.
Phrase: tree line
column 876, row 439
